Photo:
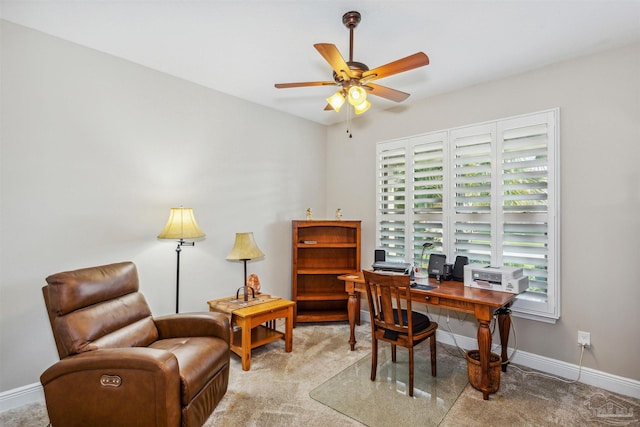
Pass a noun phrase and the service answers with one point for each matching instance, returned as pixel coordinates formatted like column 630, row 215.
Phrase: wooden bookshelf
column 322, row 251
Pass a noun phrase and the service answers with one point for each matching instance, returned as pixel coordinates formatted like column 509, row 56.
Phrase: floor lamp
column 244, row 249
column 181, row 225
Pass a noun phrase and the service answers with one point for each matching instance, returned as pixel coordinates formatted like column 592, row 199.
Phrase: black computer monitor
column 436, row 264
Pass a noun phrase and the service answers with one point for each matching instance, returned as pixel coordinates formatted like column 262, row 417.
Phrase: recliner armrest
column 133, row 358
column 204, row 324
column 123, row 386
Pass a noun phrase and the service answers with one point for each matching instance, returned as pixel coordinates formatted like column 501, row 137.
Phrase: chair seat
column 199, row 360
column 420, row 323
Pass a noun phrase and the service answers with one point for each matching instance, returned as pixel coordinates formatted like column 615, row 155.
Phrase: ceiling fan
column 354, row 78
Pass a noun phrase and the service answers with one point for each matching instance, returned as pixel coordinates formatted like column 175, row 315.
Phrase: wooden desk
column 250, row 317
column 453, row 296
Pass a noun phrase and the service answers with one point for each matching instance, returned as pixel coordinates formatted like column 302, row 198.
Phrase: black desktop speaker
column 380, row 255
column 458, row 268
column 448, row 269
column 436, row 264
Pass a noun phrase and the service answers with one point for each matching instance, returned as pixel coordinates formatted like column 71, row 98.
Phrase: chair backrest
column 386, row 294
column 98, row 307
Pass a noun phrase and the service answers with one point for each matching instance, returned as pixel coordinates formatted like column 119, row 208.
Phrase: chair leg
column 374, row 358
column 433, row 354
column 411, row 371
column 393, row 353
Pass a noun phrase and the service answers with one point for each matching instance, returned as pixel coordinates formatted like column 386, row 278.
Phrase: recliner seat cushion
column 199, row 360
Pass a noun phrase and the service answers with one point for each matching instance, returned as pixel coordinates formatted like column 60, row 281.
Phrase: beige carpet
column 276, row 392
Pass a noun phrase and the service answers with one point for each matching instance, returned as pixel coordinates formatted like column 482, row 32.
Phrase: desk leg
column 246, row 346
column 483, row 314
column 504, row 324
column 352, row 307
column 288, row 331
column 484, row 346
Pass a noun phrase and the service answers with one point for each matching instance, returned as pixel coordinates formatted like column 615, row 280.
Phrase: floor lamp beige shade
column 181, row 225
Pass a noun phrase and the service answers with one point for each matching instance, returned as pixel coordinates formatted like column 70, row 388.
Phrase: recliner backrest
column 98, row 307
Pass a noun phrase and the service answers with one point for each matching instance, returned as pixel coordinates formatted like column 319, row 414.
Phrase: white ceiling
column 243, row 47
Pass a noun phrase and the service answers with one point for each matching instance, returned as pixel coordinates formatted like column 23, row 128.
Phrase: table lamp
column 181, row 225
column 422, row 274
column 244, row 249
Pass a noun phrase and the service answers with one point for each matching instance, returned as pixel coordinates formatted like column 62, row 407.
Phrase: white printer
column 505, row 279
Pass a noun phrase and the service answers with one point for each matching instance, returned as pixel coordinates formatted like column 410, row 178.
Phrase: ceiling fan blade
column 386, row 92
column 332, row 55
column 303, row 84
column 416, row 60
column 328, row 107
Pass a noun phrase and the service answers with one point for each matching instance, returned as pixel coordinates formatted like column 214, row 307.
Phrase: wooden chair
column 386, row 293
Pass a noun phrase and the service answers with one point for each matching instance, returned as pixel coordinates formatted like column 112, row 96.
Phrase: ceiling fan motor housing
column 357, row 68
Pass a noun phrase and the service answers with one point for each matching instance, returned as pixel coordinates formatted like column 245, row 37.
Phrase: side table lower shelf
column 260, row 335
column 254, row 325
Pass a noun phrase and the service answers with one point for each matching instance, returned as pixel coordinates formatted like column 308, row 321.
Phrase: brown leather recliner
column 119, row 366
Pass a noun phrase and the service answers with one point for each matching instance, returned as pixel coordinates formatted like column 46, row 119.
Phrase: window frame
column 407, row 170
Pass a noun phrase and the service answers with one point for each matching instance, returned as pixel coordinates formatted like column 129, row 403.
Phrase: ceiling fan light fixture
column 362, row 107
column 336, row 101
column 357, row 95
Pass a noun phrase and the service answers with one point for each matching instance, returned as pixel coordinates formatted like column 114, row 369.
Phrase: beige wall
column 95, row 150
column 599, row 101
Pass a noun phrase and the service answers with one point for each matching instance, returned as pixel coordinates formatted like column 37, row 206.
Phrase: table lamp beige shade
column 244, row 249
column 181, row 225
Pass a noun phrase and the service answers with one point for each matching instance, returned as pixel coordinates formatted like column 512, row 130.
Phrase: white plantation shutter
column 487, row 191
column 528, row 194
column 472, row 164
column 391, row 199
column 428, row 195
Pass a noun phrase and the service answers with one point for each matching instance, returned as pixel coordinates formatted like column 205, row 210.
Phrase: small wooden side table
column 256, row 323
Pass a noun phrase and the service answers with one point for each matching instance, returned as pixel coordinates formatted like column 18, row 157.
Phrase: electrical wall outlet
column 584, row 338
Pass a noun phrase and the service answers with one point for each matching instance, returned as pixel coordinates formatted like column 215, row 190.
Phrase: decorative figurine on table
column 339, row 214
column 309, row 214
column 254, row 283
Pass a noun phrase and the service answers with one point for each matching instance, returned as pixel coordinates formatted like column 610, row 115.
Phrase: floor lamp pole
column 181, row 243
column 178, row 250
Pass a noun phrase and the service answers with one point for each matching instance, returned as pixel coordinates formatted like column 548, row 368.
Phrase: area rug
column 386, row 400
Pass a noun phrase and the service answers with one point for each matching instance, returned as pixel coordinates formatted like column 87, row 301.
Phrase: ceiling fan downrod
column 351, row 21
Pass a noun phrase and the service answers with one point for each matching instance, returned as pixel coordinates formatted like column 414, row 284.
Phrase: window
column 487, row 191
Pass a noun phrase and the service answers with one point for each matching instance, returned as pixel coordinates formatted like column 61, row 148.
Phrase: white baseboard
column 614, row 383
column 21, row 396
